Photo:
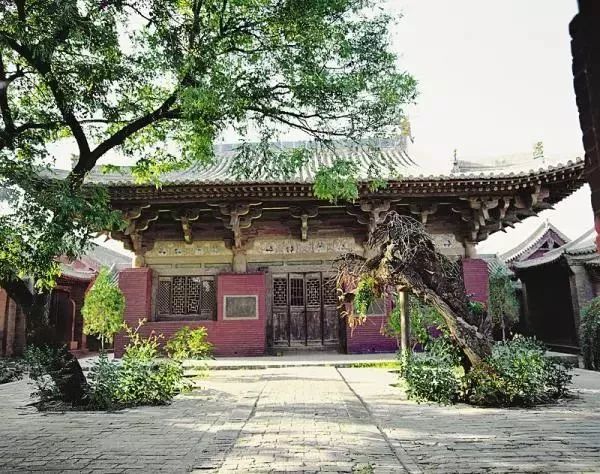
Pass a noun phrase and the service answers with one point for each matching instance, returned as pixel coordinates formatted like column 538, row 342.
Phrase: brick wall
column 230, row 337
column 368, row 338
column 476, row 276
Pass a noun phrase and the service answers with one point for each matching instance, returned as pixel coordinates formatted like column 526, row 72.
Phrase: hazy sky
column 494, row 78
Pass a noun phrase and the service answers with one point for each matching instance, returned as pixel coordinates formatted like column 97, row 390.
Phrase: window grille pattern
column 190, row 297
column 330, row 296
column 313, row 291
column 296, row 291
column 280, row 291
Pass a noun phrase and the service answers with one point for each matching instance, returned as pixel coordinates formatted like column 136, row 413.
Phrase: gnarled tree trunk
column 404, row 255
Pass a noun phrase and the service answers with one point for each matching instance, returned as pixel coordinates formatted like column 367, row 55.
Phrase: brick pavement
column 303, row 419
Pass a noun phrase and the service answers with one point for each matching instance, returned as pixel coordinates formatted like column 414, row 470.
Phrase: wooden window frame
column 171, row 316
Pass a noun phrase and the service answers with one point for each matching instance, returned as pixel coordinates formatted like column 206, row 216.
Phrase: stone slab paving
column 303, row 419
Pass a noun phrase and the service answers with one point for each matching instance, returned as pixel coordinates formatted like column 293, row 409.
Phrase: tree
column 403, row 256
column 156, row 82
column 103, row 308
column 503, row 303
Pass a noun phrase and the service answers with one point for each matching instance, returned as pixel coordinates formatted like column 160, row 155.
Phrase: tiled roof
column 531, row 241
column 86, row 267
column 391, row 162
column 582, row 246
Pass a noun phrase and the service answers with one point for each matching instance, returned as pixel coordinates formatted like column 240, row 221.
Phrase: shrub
column 104, row 382
column 140, row 378
column 10, row 371
column 503, row 303
column 517, row 374
column 45, row 364
column 590, row 334
column 432, row 375
column 189, row 344
column 103, row 308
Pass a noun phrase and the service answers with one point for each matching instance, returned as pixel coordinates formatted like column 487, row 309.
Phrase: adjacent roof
column 86, row 267
column 387, row 159
column 583, row 248
column 544, row 233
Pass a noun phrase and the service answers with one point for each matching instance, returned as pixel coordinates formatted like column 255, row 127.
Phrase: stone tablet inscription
column 240, row 307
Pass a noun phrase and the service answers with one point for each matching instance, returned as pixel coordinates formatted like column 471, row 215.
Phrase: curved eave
column 561, row 180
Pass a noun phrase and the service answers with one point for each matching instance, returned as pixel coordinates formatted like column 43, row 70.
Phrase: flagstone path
column 303, row 419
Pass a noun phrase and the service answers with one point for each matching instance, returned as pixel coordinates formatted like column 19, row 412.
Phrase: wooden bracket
column 186, row 217
column 371, row 213
column 238, row 216
column 304, row 213
column 423, row 211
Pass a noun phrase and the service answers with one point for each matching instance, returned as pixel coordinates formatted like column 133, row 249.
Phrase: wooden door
column 314, row 322
column 331, row 318
column 297, row 309
column 304, row 310
column 280, row 318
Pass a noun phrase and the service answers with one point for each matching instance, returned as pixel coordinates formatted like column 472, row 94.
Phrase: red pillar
column 136, row 285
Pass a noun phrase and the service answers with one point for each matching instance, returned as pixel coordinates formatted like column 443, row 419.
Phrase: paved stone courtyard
column 303, row 419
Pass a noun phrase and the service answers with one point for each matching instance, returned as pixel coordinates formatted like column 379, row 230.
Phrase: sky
column 494, row 78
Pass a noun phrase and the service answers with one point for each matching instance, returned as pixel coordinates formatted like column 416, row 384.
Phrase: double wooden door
column 304, row 310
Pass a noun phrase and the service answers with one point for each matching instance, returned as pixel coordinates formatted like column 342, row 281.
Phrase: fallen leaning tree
column 403, row 256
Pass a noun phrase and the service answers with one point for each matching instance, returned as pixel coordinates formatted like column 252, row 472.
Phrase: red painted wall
column 368, row 338
column 230, row 337
column 476, row 275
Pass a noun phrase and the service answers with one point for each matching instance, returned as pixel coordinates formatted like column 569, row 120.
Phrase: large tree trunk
column 67, row 375
column 404, row 256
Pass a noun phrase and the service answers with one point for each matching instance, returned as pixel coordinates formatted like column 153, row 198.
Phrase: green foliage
column 11, row 370
column 517, row 374
column 365, row 295
column 503, row 304
column 434, row 374
column 590, row 334
column 338, row 181
column 422, row 317
column 103, row 308
column 189, row 344
column 104, row 383
column 158, row 83
column 139, row 379
column 45, row 364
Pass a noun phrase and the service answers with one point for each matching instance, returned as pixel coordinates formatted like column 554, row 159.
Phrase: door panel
column 304, row 310
column 280, row 322
column 297, row 313
column 314, row 329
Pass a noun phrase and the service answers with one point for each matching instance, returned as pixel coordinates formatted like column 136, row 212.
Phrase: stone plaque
column 240, row 307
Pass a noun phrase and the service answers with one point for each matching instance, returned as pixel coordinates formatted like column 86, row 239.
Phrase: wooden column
column 404, row 321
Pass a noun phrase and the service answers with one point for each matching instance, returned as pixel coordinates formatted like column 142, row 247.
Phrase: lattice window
column 330, row 295
column 280, row 288
column 189, row 297
column 313, row 291
column 296, row 291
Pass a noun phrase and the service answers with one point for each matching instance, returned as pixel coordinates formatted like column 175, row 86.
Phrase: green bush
column 503, row 303
column 103, row 308
column 590, row 334
column 434, row 374
column 517, row 374
column 44, row 364
column 189, row 344
column 10, row 370
column 139, row 379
